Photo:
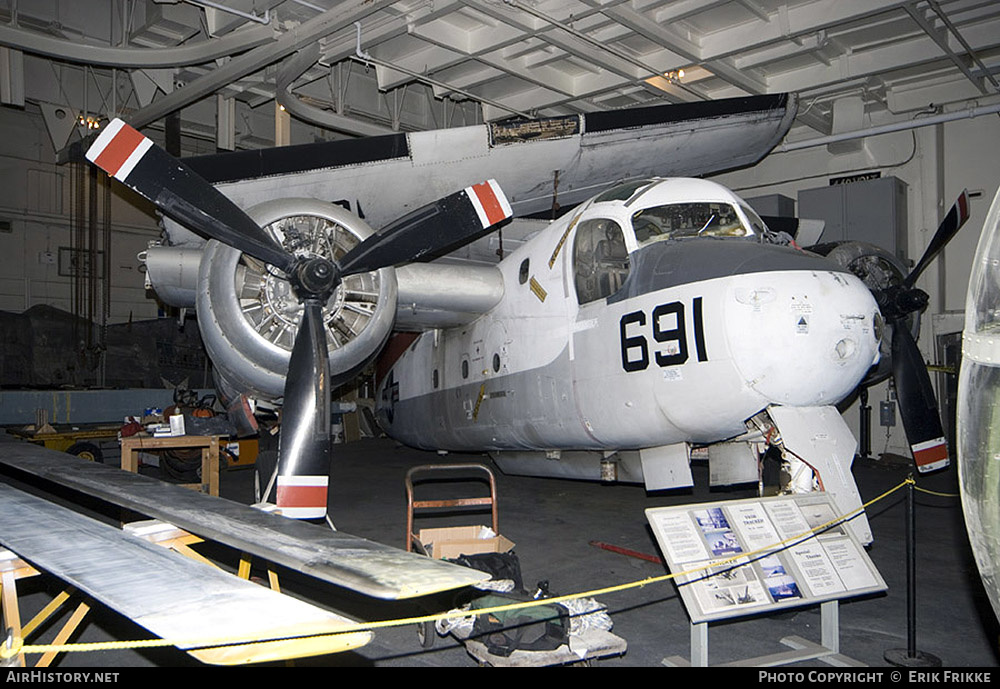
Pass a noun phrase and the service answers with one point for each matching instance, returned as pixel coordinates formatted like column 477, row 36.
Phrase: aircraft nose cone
column 845, row 349
column 802, row 337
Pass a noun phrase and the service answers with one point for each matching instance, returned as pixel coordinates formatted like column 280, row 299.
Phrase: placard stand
column 740, row 558
column 828, row 650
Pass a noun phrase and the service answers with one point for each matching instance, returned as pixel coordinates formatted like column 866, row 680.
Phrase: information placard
column 743, row 557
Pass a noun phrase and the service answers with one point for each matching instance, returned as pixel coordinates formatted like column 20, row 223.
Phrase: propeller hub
column 315, row 278
column 898, row 301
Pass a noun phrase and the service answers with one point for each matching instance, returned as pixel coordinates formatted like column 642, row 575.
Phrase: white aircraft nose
column 846, row 348
column 802, row 338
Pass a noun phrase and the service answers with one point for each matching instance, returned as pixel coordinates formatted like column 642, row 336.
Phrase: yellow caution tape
column 454, row 614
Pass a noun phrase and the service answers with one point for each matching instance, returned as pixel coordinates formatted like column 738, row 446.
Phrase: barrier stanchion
column 910, row 656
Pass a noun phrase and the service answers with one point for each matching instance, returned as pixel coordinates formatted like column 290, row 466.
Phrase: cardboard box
column 452, row 541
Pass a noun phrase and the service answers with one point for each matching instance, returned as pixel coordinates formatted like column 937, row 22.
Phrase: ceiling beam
column 913, row 55
column 602, row 55
column 937, row 36
column 965, row 44
column 748, row 80
column 295, row 39
column 792, row 21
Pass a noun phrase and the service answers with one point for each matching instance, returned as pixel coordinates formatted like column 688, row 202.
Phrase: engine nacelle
column 248, row 314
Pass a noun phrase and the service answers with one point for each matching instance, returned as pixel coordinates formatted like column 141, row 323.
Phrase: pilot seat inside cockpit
column 601, row 259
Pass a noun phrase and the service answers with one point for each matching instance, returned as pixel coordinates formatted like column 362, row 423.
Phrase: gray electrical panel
column 774, row 205
column 872, row 211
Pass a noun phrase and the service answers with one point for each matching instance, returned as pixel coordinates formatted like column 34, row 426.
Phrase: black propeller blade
column 431, row 231
column 175, row 189
column 917, row 403
column 304, row 448
column 948, row 228
column 915, row 394
column 304, row 444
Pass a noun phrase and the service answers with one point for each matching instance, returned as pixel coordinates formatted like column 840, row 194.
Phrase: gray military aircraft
column 302, row 254
column 659, row 314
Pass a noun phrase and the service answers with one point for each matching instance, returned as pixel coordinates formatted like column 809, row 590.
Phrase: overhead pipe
column 136, row 58
column 295, row 39
column 292, row 69
column 364, row 55
column 968, row 113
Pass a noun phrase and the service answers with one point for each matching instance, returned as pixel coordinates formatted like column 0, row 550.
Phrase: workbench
column 209, row 445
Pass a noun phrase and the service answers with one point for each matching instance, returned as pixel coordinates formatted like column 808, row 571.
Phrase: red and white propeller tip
column 118, row 149
column 490, row 203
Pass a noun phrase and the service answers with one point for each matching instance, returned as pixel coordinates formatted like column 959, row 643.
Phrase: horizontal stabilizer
column 176, row 598
column 355, row 563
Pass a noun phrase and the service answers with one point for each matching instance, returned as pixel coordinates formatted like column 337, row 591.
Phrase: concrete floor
column 553, row 522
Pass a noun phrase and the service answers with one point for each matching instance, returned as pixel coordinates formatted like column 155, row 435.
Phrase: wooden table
column 209, row 445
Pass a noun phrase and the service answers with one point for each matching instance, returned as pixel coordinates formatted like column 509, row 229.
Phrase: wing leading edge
column 215, row 616
column 338, row 558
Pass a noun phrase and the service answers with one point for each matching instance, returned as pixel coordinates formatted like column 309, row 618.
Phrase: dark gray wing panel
column 338, row 558
column 186, row 602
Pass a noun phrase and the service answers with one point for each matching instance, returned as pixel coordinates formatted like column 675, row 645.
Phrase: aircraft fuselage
column 676, row 340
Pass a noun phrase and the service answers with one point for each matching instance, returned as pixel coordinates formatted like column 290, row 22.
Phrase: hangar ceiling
column 362, row 67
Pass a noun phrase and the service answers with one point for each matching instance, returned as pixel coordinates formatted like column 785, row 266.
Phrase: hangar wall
column 36, row 203
column 935, row 162
column 36, row 200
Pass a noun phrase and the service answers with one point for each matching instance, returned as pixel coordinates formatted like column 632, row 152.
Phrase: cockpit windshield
column 757, row 225
column 694, row 219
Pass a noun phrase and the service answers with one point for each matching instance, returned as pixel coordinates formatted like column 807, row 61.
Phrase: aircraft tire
column 181, row 466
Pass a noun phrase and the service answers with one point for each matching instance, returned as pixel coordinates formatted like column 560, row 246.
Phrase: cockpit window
column 624, row 191
column 696, row 219
column 756, row 224
column 600, row 259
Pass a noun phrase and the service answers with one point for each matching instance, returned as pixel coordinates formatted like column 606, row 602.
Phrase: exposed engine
column 248, row 314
